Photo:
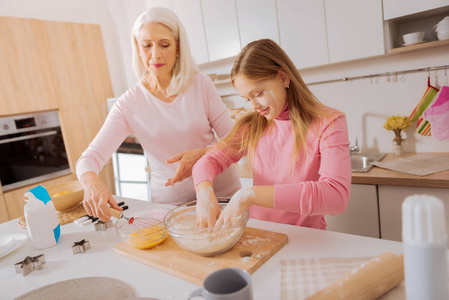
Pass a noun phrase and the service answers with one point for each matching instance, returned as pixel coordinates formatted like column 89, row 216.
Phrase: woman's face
column 157, row 49
column 268, row 96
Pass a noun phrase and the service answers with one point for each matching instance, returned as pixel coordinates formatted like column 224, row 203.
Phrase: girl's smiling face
column 267, row 96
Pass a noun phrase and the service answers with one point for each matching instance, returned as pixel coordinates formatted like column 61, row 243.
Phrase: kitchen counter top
column 379, row 176
column 101, row 260
column 382, row 176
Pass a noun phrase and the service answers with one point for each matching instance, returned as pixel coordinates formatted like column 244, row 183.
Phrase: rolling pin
column 370, row 281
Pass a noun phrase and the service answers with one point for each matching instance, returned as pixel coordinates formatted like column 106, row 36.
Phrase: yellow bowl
column 66, row 195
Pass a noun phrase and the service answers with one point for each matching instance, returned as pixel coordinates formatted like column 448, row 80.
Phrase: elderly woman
column 173, row 110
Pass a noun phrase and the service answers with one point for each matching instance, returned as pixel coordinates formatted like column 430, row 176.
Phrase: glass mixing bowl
column 147, row 230
column 181, row 224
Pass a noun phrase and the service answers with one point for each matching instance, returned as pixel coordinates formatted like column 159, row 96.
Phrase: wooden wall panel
column 26, row 83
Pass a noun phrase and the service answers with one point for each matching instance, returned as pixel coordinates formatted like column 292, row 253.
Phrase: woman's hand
column 207, row 208
column 237, row 206
column 97, row 197
column 187, row 160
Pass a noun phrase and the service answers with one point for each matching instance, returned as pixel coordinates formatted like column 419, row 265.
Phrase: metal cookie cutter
column 81, row 246
column 102, row 226
column 29, row 264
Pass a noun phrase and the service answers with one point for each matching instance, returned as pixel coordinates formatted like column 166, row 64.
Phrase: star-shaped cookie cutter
column 102, row 226
column 29, row 264
column 81, row 246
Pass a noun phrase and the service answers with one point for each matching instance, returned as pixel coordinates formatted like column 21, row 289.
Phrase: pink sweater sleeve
column 111, row 135
column 211, row 165
column 330, row 194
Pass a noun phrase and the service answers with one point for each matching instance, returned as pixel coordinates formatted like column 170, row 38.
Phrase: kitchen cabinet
column 361, row 216
column 398, row 8
column 354, row 29
column 420, row 21
column 78, row 64
column 257, row 19
column 221, row 26
column 4, row 216
column 190, row 14
column 77, row 135
column 14, row 199
column 82, row 83
column 67, row 62
column 26, row 83
column 302, row 29
column 390, row 207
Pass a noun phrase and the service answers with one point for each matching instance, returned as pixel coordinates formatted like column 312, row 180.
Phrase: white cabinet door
column 398, row 8
column 257, row 20
column 222, row 34
column 361, row 216
column 302, row 30
column 190, row 14
column 390, row 207
column 354, row 29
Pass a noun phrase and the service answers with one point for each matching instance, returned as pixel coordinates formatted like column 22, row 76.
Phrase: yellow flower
column 397, row 122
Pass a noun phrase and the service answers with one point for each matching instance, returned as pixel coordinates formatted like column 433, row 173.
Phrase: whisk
column 136, row 222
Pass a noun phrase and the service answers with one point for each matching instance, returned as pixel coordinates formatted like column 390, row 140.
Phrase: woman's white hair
column 185, row 67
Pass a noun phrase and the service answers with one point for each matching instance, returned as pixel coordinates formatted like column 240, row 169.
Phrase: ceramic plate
column 10, row 242
column 414, row 43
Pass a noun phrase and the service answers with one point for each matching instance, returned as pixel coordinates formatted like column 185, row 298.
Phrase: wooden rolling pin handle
column 115, row 213
column 369, row 281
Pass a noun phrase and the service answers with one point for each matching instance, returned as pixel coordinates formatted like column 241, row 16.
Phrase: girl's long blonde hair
column 260, row 60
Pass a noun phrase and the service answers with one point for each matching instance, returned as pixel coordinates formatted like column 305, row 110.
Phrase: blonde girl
column 298, row 148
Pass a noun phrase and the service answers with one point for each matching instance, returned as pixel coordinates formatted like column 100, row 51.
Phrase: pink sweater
column 317, row 185
column 164, row 130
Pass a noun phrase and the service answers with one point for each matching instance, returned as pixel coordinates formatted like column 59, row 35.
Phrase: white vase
column 397, row 148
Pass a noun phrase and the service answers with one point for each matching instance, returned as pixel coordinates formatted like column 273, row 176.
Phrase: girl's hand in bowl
column 237, row 206
column 207, row 208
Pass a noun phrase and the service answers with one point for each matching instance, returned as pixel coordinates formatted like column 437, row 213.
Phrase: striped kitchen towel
column 423, row 127
column 426, row 99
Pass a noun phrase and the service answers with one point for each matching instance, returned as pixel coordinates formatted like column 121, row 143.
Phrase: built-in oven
column 31, row 149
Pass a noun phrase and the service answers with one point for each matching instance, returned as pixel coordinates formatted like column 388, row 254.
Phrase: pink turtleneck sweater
column 319, row 182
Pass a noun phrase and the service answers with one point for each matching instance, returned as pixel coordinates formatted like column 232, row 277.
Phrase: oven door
column 30, row 157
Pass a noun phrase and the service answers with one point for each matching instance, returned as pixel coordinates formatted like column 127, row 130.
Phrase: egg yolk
column 146, row 238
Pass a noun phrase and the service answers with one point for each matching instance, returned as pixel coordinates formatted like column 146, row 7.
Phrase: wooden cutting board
column 253, row 249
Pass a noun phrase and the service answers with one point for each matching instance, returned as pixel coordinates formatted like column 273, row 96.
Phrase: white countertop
column 101, row 260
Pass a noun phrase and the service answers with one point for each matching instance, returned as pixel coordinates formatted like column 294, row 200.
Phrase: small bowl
column 147, row 231
column 181, row 224
column 413, row 38
column 66, row 195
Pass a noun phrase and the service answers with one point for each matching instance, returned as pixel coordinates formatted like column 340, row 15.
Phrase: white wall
column 367, row 103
